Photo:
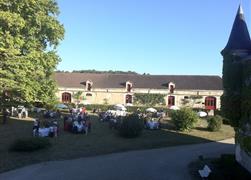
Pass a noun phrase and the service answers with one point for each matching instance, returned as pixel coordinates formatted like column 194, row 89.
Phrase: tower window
column 171, row 87
column 89, row 85
column 128, row 86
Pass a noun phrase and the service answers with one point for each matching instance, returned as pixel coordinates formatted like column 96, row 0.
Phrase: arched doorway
column 128, row 99
column 66, row 97
column 210, row 103
column 171, row 101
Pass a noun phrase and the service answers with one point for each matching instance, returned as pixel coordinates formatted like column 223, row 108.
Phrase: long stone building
column 120, row 88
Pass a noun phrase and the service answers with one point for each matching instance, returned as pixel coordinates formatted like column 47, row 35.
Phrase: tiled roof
column 104, row 81
column 239, row 38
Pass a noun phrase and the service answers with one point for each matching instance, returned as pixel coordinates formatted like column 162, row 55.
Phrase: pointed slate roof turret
column 239, row 38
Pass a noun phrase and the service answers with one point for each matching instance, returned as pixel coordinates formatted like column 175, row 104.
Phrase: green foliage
column 149, row 99
column 29, row 36
column 215, row 123
column 102, row 107
column 232, row 84
column 245, row 142
column 30, row 144
column 131, row 126
column 143, row 109
column 192, row 100
column 77, row 96
column 231, row 104
column 195, row 97
column 184, row 119
column 105, row 101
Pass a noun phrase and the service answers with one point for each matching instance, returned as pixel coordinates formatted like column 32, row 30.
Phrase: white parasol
column 174, row 108
column 152, row 110
column 120, row 107
column 202, row 114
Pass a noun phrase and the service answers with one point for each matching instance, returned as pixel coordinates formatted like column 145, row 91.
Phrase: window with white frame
column 171, row 87
column 89, row 85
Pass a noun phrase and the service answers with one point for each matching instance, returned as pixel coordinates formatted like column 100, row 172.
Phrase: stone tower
column 236, row 100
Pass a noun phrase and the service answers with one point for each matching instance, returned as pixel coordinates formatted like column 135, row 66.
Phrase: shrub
column 215, row 123
column 245, row 142
column 131, row 126
column 184, row 119
column 30, row 144
column 149, row 99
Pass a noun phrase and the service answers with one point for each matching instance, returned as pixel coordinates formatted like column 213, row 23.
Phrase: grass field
column 101, row 140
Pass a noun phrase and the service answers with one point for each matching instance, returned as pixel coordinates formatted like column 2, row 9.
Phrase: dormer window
column 128, row 86
column 171, row 87
column 89, row 85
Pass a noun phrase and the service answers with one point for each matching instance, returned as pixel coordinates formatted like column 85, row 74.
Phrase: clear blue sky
column 151, row 36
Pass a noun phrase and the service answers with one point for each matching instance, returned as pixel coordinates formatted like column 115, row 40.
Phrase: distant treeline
column 99, row 72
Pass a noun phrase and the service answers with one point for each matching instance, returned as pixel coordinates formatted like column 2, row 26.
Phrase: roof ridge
column 177, row 75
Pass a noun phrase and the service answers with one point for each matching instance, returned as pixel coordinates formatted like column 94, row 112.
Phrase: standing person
column 66, row 123
column 12, row 111
column 83, row 110
column 25, row 112
column 19, row 111
column 36, row 127
column 55, row 128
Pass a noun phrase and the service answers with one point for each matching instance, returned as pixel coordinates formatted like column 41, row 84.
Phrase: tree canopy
column 29, row 36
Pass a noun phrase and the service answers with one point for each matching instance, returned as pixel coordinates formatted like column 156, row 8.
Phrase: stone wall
column 242, row 157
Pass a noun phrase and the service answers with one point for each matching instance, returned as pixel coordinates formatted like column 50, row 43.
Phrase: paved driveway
column 166, row 163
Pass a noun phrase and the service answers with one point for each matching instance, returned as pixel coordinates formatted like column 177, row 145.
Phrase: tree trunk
column 4, row 107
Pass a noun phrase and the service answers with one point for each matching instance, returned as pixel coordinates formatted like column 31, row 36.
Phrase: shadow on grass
column 101, row 140
column 202, row 128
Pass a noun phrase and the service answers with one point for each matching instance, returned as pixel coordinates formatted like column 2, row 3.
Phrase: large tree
column 29, row 36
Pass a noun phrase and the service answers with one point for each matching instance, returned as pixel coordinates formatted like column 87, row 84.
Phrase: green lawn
column 101, row 140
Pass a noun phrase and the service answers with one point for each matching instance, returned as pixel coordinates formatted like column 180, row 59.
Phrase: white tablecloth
column 44, row 132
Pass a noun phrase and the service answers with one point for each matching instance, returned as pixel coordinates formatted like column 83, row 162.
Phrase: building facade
column 121, row 88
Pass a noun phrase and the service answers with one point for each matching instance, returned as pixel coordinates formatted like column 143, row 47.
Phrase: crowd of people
column 151, row 120
column 47, row 129
column 78, row 121
column 19, row 111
